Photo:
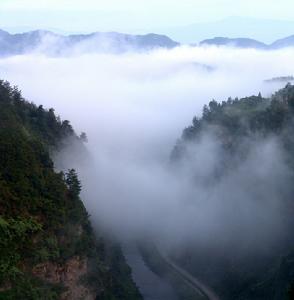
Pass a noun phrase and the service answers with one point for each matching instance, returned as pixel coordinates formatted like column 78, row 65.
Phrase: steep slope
column 249, row 168
column 48, row 249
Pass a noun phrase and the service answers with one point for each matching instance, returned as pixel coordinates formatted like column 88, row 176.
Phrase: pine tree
column 73, row 182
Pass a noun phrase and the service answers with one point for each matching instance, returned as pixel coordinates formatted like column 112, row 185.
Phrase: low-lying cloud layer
column 134, row 107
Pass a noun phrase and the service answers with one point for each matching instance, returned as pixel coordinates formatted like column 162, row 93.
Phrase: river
column 151, row 286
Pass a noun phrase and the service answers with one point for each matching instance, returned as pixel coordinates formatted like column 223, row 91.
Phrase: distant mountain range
column 265, row 30
column 249, row 43
column 50, row 43
column 56, row 44
column 238, row 42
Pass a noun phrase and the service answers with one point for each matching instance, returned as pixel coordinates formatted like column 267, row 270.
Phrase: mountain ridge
column 249, row 43
column 233, row 26
column 51, row 43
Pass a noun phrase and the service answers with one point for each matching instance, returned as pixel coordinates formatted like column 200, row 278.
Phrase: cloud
column 133, row 107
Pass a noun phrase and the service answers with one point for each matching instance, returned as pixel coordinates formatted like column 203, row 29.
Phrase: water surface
column 151, row 286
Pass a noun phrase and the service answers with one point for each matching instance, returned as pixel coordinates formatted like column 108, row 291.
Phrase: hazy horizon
column 193, row 33
column 182, row 151
column 180, row 21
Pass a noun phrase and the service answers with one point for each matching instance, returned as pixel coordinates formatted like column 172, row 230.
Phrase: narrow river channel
column 151, row 286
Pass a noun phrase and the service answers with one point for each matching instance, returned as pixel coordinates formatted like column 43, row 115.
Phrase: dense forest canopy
column 255, row 184
column 44, row 227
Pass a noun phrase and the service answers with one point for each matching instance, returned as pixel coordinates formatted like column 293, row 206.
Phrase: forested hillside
column 245, row 262
column 48, row 249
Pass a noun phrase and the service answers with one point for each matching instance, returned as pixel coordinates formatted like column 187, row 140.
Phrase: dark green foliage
column 30, row 288
column 234, row 124
column 73, row 183
column 245, row 116
column 33, row 198
column 14, row 240
column 42, row 218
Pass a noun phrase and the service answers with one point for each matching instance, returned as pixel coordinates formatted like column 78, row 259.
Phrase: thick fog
column 133, row 107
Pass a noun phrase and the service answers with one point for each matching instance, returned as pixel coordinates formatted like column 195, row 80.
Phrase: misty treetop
column 242, row 129
column 235, row 118
column 44, row 123
column 43, row 221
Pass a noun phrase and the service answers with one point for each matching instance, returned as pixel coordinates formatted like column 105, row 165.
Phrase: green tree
column 73, row 182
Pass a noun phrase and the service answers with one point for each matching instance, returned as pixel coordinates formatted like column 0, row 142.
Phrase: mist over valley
column 174, row 170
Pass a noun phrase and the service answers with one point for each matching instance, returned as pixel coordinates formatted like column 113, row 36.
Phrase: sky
column 132, row 15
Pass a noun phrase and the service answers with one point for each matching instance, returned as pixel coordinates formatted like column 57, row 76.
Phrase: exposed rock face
column 69, row 275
